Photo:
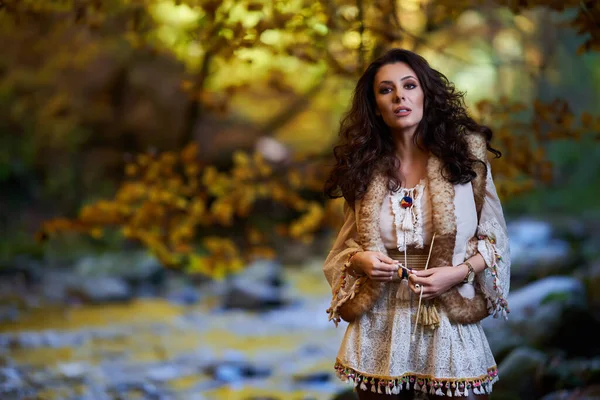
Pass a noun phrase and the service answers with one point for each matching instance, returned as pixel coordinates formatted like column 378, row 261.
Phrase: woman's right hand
column 375, row 265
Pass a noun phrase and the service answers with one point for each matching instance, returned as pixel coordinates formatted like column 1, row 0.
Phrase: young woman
column 423, row 254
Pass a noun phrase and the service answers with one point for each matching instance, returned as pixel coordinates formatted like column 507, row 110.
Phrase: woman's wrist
column 462, row 271
column 352, row 270
column 468, row 269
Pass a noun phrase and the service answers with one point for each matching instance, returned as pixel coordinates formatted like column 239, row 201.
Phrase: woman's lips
column 402, row 111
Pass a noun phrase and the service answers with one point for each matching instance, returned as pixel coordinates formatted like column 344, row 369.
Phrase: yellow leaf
column 143, row 160
column 220, row 270
column 183, row 248
column 192, row 169
column 210, row 176
column 241, row 158
column 263, row 252
column 294, row 179
column 255, row 236
column 199, row 265
column 127, row 231
column 237, row 264
column 262, row 190
column 197, row 207
column 181, row 203
column 131, row 170
column 167, row 158
column 276, row 191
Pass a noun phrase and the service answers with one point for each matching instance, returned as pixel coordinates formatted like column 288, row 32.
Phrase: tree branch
column 298, row 105
column 361, row 31
column 194, row 108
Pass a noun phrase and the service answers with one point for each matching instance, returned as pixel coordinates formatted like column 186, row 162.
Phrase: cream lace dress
column 377, row 353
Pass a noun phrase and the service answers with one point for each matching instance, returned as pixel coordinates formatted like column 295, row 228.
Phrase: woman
column 420, row 204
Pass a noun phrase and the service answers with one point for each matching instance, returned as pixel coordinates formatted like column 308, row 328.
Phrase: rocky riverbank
column 120, row 327
column 178, row 346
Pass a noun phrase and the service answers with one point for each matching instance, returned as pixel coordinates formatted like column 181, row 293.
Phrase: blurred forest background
column 161, row 170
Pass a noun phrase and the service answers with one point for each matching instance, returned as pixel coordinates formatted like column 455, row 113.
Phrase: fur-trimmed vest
column 460, row 305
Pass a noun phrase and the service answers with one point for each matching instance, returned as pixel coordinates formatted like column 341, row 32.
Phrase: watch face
column 471, row 277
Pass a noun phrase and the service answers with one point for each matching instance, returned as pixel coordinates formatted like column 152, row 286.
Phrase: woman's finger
column 416, row 279
column 423, row 273
column 381, row 275
column 385, row 267
column 385, row 259
column 427, row 293
column 378, row 273
column 414, row 288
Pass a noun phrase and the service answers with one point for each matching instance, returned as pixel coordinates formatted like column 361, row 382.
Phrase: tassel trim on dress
column 450, row 387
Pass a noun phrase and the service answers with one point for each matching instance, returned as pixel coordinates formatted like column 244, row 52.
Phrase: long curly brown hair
column 366, row 141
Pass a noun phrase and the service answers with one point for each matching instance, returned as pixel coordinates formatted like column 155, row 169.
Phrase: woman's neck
column 407, row 150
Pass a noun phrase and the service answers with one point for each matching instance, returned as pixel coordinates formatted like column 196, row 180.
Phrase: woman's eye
column 410, row 86
column 385, row 90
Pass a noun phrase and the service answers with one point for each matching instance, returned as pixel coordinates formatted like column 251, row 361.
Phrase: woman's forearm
column 477, row 262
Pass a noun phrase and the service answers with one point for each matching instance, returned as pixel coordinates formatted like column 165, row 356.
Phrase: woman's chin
column 403, row 126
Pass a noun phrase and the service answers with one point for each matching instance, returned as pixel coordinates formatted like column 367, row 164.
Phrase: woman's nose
column 398, row 96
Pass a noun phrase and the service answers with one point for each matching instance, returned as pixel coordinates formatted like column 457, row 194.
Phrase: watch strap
column 471, row 271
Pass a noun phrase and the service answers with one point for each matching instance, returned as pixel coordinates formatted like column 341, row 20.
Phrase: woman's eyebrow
column 402, row 79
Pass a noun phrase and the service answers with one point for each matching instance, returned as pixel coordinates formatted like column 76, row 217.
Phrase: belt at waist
column 415, row 258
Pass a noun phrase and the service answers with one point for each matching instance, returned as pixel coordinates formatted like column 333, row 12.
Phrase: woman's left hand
column 435, row 281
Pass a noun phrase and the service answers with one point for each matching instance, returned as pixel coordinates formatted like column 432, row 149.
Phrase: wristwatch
column 470, row 275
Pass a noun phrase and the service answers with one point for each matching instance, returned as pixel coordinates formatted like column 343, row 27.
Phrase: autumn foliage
column 121, row 75
column 172, row 203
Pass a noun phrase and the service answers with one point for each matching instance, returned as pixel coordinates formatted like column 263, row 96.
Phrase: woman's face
column 399, row 97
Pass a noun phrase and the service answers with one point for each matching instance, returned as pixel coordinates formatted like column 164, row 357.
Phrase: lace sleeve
column 493, row 245
column 343, row 285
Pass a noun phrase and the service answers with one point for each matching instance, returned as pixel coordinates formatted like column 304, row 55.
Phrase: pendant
column 406, row 202
column 403, row 272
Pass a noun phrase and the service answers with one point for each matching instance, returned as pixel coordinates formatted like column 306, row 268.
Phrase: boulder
column 585, row 393
column 561, row 373
column 10, row 380
column 234, row 371
column 591, row 278
column 313, row 378
column 99, row 290
column 347, row 394
column 536, row 251
column 258, row 288
column 73, row 370
column 22, row 269
column 548, row 312
column 517, row 374
column 8, row 313
column 184, row 295
column 164, row 372
column 133, row 266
